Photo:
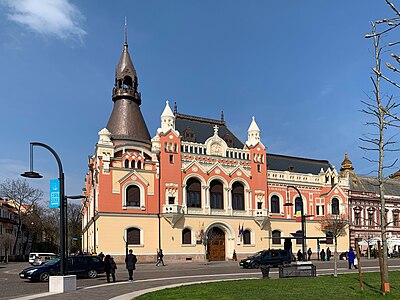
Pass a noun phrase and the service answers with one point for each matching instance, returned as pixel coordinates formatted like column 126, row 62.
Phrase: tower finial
column 222, row 115
column 125, row 33
column 175, row 108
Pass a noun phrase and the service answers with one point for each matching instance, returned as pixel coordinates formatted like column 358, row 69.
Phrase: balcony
column 261, row 217
column 173, row 213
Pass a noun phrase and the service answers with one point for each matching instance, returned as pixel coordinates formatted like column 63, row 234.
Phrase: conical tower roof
column 253, row 126
column 167, row 112
column 125, row 66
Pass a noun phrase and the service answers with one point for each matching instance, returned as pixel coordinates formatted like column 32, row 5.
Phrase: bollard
column 265, row 271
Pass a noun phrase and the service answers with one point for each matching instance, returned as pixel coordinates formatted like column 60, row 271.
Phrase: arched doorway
column 216, row 244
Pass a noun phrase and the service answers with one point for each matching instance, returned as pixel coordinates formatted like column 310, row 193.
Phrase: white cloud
column 58, row 18
column 326, row 89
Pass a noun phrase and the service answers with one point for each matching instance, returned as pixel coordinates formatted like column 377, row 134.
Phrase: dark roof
column 278, row 162
column 370, row 185
column 204, row 128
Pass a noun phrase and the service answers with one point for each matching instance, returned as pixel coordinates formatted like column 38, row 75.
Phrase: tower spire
column 126, row 122
column 125, row 33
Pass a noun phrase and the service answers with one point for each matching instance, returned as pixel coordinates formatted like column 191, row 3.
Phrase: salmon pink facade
column 195, row 190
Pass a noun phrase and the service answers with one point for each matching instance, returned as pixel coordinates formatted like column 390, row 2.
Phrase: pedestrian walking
column 160, row 259
column 355, row 262
column 322, row 254
column 299, row 255
column 328, row 254
column 101, row 255
column 109, row 267
column 130, row 262
column 351, row 257
column 309, row 253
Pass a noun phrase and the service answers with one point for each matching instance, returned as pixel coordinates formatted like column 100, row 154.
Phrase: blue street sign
column 54, row 193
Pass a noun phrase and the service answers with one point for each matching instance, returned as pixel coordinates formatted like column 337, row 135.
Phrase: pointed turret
column 126, row 122
column 346, row 167
column 167, row 118
column 253, row 133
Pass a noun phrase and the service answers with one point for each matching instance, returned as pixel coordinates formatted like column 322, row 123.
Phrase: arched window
column 133, row 236
column 299, row 239
column 237, row 196
column 133, row 196
column 246, row 237
column 126, row 163
column 335, row 206
column 276, row 237
column 193, row 193
column 275, row 205
column 216, row 195
column 132, row 164
column 127, row 81
column 186, row 236
column 139, row 164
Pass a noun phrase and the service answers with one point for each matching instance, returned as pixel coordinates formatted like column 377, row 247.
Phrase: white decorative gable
column 215, row 145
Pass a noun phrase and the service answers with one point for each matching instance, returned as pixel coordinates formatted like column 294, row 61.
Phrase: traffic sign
column 54, row 193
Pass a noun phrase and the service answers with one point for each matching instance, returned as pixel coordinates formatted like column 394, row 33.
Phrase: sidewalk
column 149, row 278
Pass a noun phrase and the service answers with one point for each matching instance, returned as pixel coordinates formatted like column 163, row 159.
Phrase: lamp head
column 31, row 174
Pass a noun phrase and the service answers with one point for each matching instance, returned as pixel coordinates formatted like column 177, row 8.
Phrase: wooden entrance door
column 216, row 244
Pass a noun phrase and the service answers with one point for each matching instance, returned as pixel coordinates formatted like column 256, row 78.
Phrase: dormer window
column 228, row 140
column 189, row 135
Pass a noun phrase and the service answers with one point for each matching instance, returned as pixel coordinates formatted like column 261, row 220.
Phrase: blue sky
column 300, row 67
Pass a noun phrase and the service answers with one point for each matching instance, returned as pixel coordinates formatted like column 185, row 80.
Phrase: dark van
column 80, row 265
column 267, row 257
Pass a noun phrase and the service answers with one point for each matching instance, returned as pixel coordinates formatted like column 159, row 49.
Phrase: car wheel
column 44, row 276
column 256, row 265
column 92, row 274
column 286, row 263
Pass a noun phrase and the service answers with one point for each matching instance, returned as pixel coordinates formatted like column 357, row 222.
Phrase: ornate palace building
column 194, row 189
column 364, row 208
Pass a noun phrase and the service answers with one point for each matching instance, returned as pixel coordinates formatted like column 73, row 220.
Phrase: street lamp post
column 303, row 220
column 32, row 174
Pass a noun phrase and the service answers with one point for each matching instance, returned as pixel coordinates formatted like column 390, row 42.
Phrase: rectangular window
column 320, row 210
column 171, row 200
column 171, row 159
column 357, row 218
column 259, row 205
column 395, row 219
column 259, row 168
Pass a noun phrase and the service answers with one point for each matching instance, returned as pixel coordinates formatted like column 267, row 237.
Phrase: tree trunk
column 14, row 252
column 335, row 259
column 385, row 276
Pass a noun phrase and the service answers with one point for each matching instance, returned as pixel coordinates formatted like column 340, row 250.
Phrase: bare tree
column 382, row 110
column 336, row 226
column 23, row 198
column 74, row 227
column 7, row 241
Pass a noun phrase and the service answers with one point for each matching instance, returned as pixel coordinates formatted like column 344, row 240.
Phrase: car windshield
column 52, row 262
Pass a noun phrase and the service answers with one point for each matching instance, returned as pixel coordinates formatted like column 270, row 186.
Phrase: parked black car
column 267, row 257
column 80, row 265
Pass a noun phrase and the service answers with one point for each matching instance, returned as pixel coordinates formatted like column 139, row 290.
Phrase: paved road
column 149, row 276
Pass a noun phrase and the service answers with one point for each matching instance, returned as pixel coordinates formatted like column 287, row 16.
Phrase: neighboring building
column 364, row 208
column 195, row 182
column 8, row 231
